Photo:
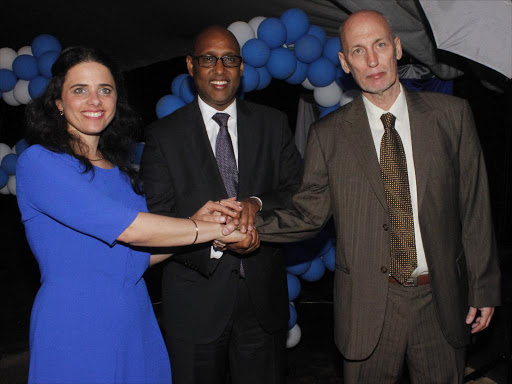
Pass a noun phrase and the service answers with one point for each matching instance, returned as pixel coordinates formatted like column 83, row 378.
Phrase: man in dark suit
column 220, row 308
column 404, row 178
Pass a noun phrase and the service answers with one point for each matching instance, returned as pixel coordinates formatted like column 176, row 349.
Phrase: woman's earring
column 61, row 111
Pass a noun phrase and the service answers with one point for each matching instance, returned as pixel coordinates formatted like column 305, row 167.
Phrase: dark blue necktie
column 226, row 160
column 225, row 155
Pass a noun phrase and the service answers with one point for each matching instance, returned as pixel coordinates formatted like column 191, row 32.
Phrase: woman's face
column 88, row 99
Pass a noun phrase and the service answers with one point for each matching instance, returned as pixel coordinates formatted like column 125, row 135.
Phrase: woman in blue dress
column 85, row 217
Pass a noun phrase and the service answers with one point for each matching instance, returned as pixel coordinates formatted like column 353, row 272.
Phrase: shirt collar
column 398, row 109
column 208, row 111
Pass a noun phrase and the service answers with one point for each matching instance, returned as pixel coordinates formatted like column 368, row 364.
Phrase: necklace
column 101, row 158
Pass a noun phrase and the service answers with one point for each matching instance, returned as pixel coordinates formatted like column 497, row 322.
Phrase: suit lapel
column 247, row 142
column 357, row 130
column 200, row 148
column 421, row 122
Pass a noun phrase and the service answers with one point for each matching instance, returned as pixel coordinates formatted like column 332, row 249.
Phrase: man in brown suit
column 416, row 264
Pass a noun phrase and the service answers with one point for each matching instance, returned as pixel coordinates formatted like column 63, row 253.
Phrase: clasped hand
column 238, row 219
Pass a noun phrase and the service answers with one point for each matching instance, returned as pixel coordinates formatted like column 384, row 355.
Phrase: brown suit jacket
column 342, row 178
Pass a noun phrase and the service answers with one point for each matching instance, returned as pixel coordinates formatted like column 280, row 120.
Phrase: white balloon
column 328, row 96
column 242, row 32
column 9, row 98
column 26, row 50
column 7, row 56
column 21, row 92
column 293, row 337
column 11, row 185
column 4, row 150
column 348, row 96
column 4, row 190
column 306, row 84
column 255, row 23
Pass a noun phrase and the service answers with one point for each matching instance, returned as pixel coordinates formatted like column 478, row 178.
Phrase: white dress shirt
column 402, row 126
column 212, row 130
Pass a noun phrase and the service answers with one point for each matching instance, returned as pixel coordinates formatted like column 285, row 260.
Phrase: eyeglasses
column 208, row 61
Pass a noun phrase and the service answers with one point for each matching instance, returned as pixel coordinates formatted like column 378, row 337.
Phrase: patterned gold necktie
column 396, row 186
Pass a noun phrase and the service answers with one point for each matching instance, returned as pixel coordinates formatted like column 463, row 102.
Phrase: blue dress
column 92, row 321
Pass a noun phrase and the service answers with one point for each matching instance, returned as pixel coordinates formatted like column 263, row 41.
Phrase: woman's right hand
column 222, row 211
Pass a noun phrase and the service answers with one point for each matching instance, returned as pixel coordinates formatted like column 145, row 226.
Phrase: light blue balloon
column 250, row 78
column 265, row 78
column 9, row 163
column 45, row 43
column 256, row 52
column 175, row 85
column 308, row 49
column 331, row 49
column 25, row 67
column 7, row 80
column 45, row 63
column 4, row 178
column 296, row 22
column 300, row 74
column 21, row 145
column 315, row 271
column 321, row 72
column 37, row 86
column 188, row 90
column 292, row 320
column 293, row 286
column 167, row 105
column 318, row 32
column 272, row 31
column 282, row 63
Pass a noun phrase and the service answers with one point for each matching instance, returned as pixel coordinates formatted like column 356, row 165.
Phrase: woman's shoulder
column 40, row 157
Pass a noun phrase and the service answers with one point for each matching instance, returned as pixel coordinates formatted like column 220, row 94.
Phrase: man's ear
column 343, row 62
column 190, row 65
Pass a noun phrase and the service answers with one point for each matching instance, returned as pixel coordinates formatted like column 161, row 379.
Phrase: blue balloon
column 9, row 163
column 300, row 268
column 265, row 78
column 4, row 178
column 329, row 259
column 318, row 32
column 292, row 320
column 282, row 63
column 293, row 286
column 331, row 49
column 7, row 80
column 315, row 271
column 25, row 67
column 256, row 52
column 137, row 153
column 324, row 111
column 45, row 43
column 167, row 105
column 321, row 72
column 175, row 85
column 272, row 31
column 308, row 49
column 296, row 22
column 300, row 74
column 45, row 62
column 37, row 86
column 345, row 80
column 21, row 145
column 188, row 89
column 250, row 78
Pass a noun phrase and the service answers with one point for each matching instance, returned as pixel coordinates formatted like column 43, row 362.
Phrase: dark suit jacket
column 342, row 177
column 180, row 174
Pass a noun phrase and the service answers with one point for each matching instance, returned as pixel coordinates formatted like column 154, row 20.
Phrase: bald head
column 214, row 32
column 361, row 17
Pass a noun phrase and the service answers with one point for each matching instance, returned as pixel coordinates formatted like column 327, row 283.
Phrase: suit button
column 384, row 269
column 234, row 272
column 386, row 227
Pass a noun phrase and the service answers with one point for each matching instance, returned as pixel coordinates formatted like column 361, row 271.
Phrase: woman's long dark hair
column 45, row 125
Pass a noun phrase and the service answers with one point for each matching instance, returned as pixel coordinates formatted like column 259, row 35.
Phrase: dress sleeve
column 53, row 184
